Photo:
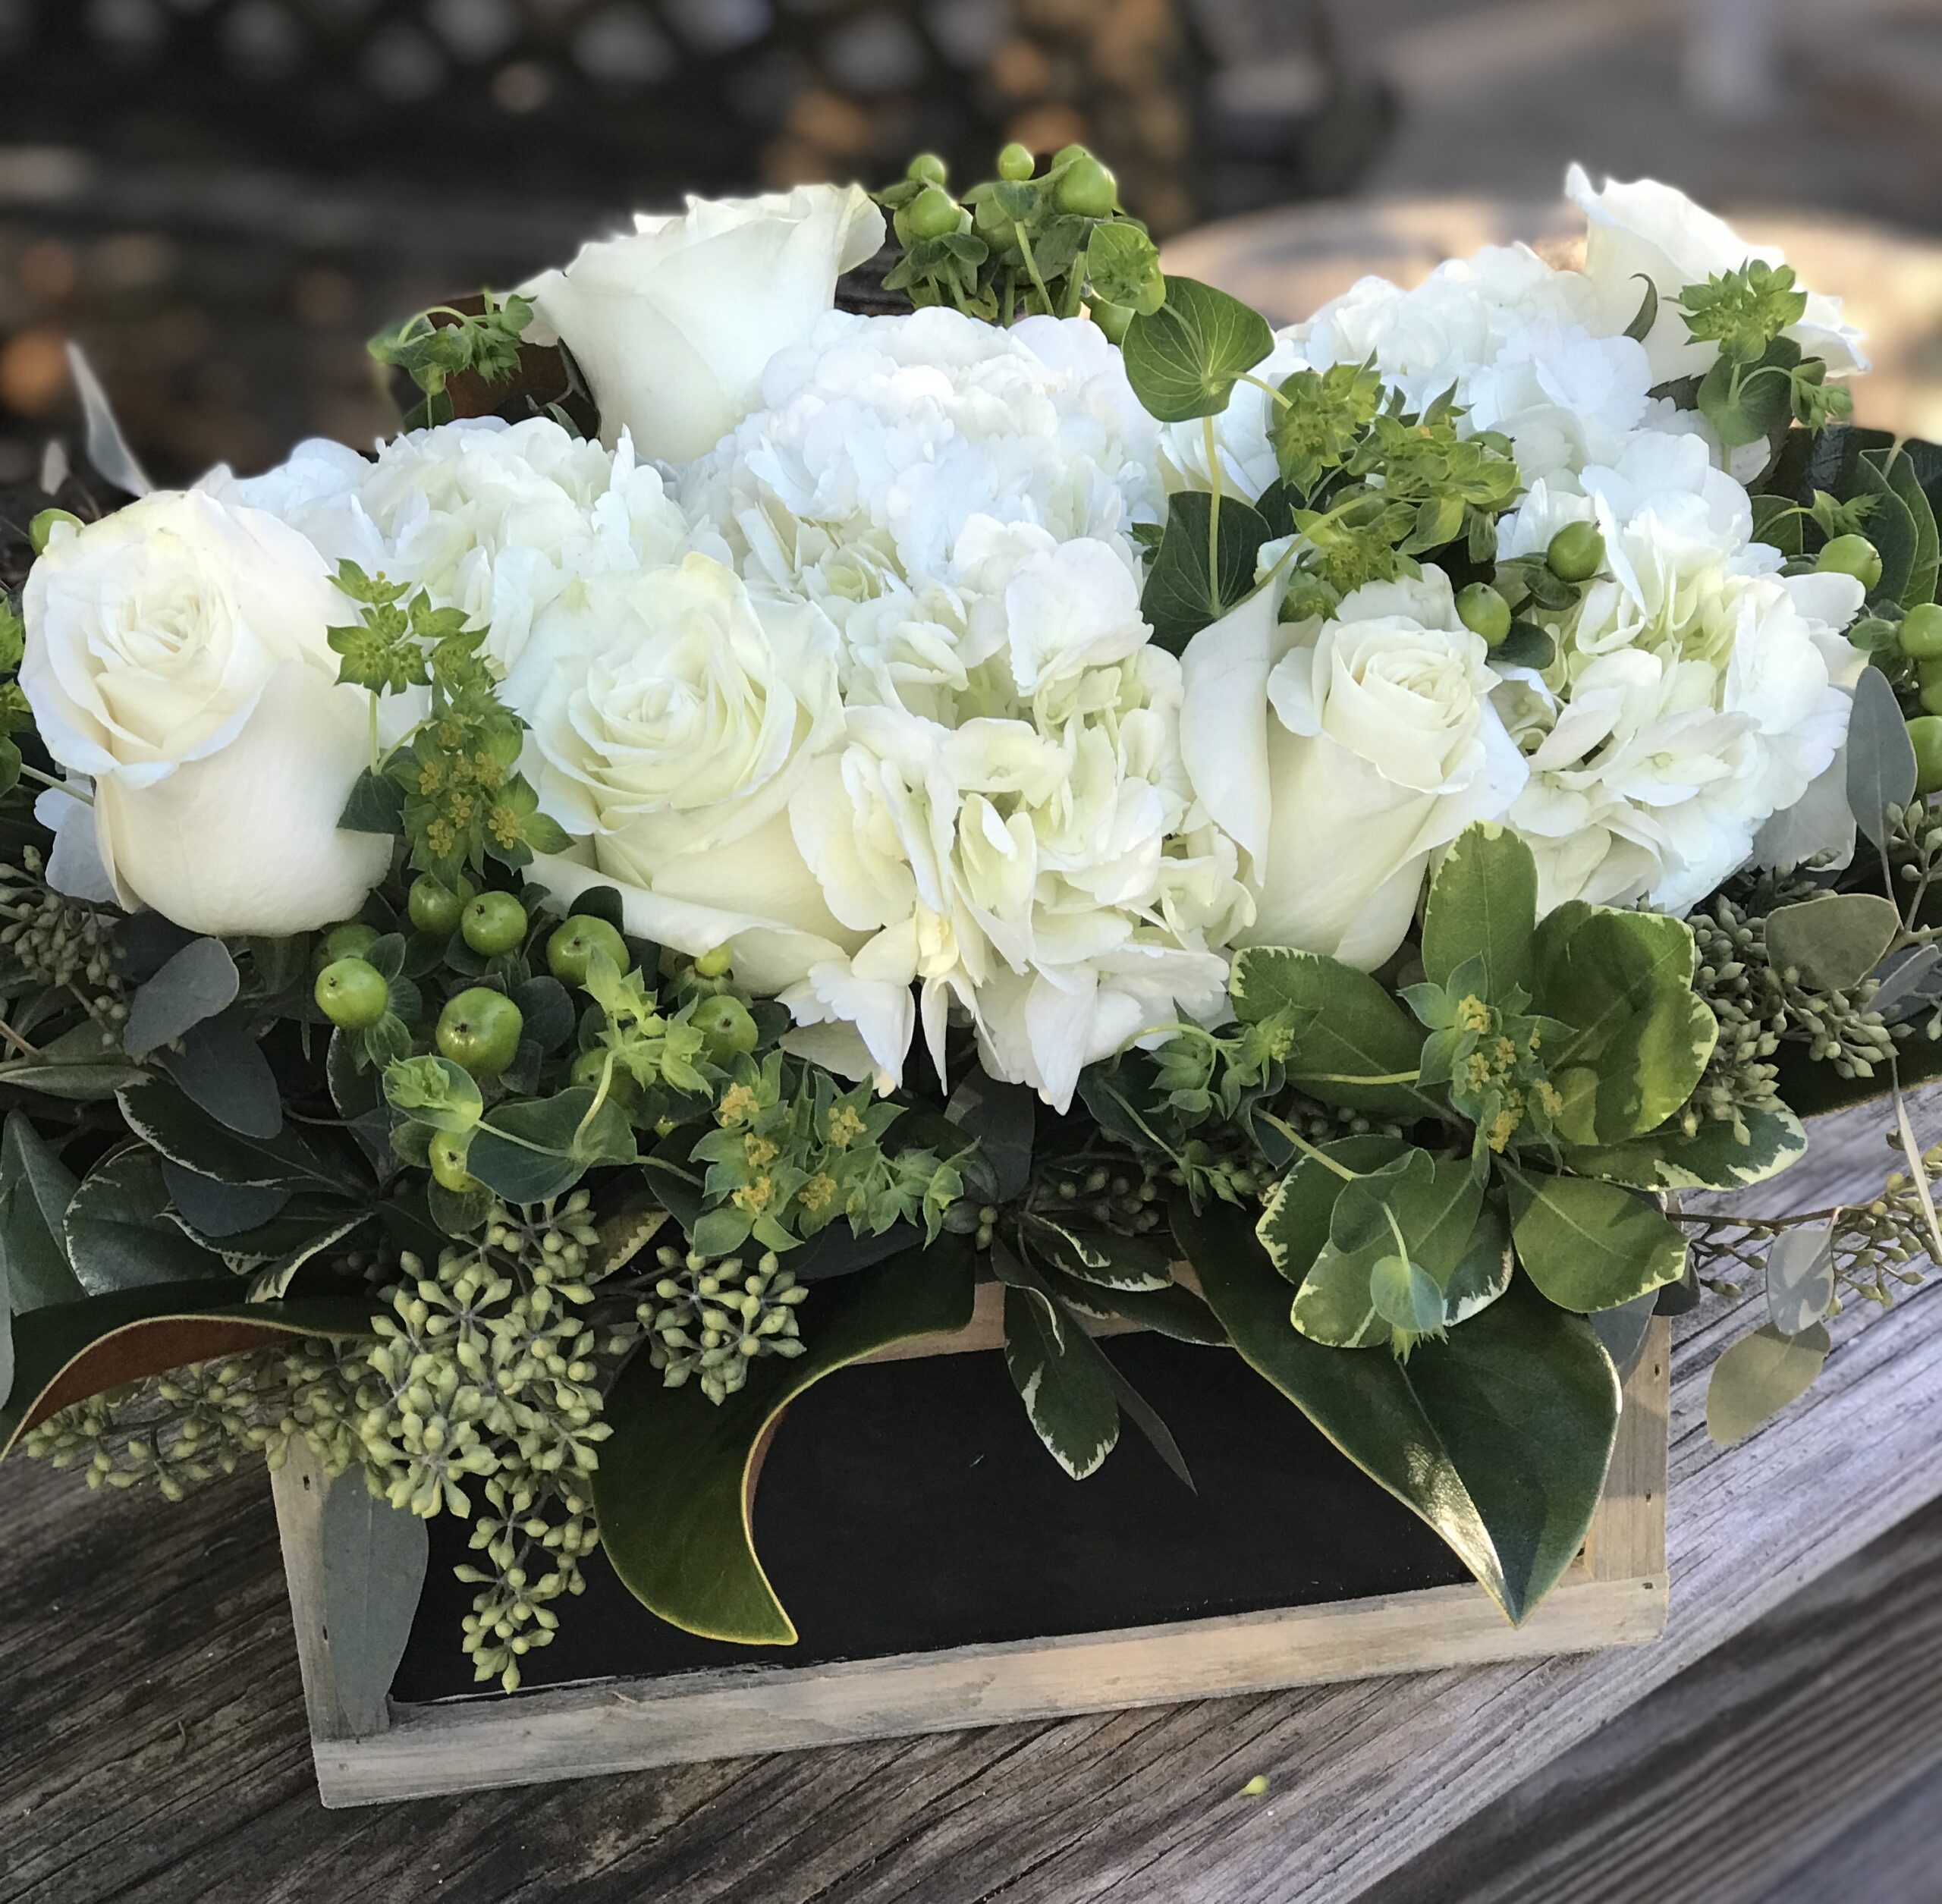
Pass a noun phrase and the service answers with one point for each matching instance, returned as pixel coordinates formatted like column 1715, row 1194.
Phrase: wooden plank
column 299, row 1488
column 1615, row 1595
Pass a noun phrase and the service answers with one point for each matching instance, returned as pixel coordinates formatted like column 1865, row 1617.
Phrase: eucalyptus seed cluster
column 710, row 1319
column 1914, row 851
column 1323, row 1123
column 1759, row 1005
column 59, row 942
column 1126, row 1195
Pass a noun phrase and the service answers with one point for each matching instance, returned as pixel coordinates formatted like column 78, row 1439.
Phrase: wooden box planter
column 943, row 1573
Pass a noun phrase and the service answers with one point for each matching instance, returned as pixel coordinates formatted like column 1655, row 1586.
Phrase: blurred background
column 220, row 199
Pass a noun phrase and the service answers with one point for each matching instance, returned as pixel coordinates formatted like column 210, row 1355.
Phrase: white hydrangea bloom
column 1696, row 691
column 501, row 519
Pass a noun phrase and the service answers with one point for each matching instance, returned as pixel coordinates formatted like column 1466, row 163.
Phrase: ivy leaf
column 1483, row 905
column 1499, row 1437
column 1589, row 1245
column 674, row 1489
column 376, row 804
column 1184, row 359
column 1203, row 569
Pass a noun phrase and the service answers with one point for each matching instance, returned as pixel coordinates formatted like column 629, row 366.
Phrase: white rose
column 1651, row 231
column 1340, row 761
column 674, row 324
column 176, row 656
column 675, row 717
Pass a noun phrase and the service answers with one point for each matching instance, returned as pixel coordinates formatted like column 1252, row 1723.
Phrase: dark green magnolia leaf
column 1621, row 982
column 375, row 1558
column 1203, row 569
column 1353, row 1045
column 1712, row 1158
column 35, row 1188
column 1123, row 264
column 1483, row 905
column 1837, row 939
column 673, row 1491
column 1589, row 1245
column 118, row 1235
column 1001, row 1119
column 1800, row 1278
column 1499, row 1437
column 1760, row 1375
column 529, row 1151
column 221, row 1068
column 1184, row 359
column 1880, row 770
column 199, row 981
column 65, row 1353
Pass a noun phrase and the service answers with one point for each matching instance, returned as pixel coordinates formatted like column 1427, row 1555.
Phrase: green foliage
column 485, row 342
column 1483, row 906
column 1834, row 941
column 1757, row 1377
column 1204, row 566
column 673, row 1489
column 1184, row 359
column 1591, row 1246
column 1322, row 417
column 1499, row 1438
column 1743, row 311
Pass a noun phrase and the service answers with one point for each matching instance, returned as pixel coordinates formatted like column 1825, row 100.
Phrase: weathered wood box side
column 1613, row 1594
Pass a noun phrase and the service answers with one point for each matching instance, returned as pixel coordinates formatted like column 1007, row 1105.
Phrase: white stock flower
column 672, row 717
column 674, row 322
column 1341, row 757
column 176, row 658
column 1653, row 231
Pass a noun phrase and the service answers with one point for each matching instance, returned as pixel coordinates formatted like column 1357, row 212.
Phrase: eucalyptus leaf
column 1912, row 977
column 673, row 1491
column 197, row 983
column 1800, row 1278
column 1348, row 1030
column 1881, row 768
column 1837, row 939
column 375, row 1559
column 1589, row 1245
column 222, row 1069
column 1184, row 359
column 1499, row 1437
column 1758, row 1376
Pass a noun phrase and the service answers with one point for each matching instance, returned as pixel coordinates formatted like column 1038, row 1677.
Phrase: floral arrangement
column 747, row 822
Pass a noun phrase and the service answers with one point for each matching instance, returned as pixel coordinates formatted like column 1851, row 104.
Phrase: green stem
column 1337, row 1077
column 72, row 792
column 1307, row 1149
column 1261, row 383
column 1207, row 438
column 374, row 730
column 1032, row 266
column 599, row 1097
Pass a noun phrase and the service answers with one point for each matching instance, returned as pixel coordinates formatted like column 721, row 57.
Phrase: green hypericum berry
column 434, row 907
column 928, row 167
column 1920, row 635
column 1854, row 555
column 994, row 224
column 447, row 1157
column 480, row 1029
column 1015, row 162
column 931, row 214
column 714, row 964
column 727, row 1030
column 1087, row 189
column 1484, row 612
column 1925, row 732
column 352, row 940
column 1576, row 553
column 575, row 942
column 41, row 529
column 352, row 994
column 493, row 922
column 1929, row 678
